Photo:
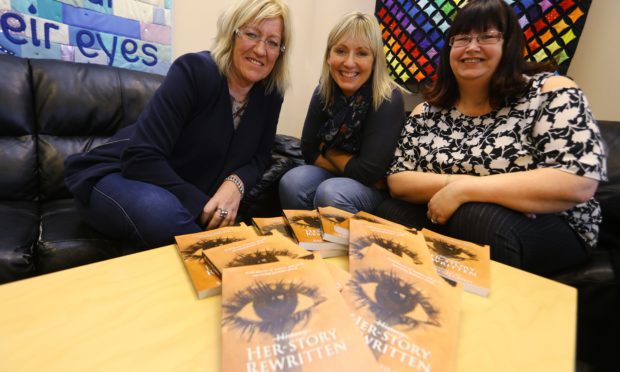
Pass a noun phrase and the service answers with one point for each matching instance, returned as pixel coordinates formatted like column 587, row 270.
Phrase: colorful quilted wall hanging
column 413, row 32
column 133, row 34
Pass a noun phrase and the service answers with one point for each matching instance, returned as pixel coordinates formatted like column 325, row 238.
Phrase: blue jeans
column 146, row 214
column 309, row 187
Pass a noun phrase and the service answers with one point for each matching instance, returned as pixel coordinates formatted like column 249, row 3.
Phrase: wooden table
column 140, row 313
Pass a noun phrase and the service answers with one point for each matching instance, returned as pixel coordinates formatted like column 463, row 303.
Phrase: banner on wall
column 133, row 34
column 413, row 32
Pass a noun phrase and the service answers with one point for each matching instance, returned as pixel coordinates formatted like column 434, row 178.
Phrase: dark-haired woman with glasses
column 502, row 152
column 204, row 138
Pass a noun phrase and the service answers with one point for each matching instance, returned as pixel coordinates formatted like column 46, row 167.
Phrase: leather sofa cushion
column 108, row 99
column 18, row 237
column 67, row 241
column 17, row 147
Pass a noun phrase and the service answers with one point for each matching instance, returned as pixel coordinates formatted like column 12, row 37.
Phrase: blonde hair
column 240, row 14
column 365, row 28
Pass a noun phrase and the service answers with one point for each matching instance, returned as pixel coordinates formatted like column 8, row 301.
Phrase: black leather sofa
column 598, row 282
column 50, row 109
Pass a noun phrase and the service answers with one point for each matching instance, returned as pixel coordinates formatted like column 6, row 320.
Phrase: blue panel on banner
column 168, row 4
column 161, row 68
column 164, row 52
column 50, row 10
column 22, row 6
column 99, row 8
column 9, row 46
column 101, row 22
column 88, row 38
column 35, row 52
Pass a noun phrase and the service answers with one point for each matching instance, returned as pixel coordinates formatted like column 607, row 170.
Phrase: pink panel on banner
column 155, row 33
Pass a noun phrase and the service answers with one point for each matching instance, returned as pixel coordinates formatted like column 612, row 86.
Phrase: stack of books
column 284, row 308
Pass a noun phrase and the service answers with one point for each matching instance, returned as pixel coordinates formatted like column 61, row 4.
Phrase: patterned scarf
column 343, row 128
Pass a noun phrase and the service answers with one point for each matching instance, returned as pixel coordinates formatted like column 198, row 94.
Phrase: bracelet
column 237, row 181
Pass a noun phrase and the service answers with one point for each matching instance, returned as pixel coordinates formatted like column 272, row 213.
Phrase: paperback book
column 191, row 249
column 330, row 217
column 410, row 319
column 254, row 251
column 288, row 316
column 340, row 276
column 409, row 245
column 343, row 227
column 266, row 225
column 306, row 227
column 462, row 261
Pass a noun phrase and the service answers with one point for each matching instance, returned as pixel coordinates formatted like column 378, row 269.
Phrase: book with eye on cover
column 343, row 227
column 409, row 245
column 462, row 261
column 254, row 251
column 265, row 226
column 410, row 319
column 192, row 246
column 288, row 316
column 306, row 227
column 330, row 217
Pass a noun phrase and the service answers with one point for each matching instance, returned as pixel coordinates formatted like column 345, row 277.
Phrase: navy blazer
column 184, row 140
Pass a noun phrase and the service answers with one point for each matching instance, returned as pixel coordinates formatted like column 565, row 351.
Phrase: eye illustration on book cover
column 267, row 229
column 335, row 218
column 358, row 246
column 392, row 300
column 271, row 307
column 194, row 251
column 450, row 250
column 366, row 218
column 458, row 260
column 288, row 316
column 306, row 222
column 262, row 256
column 409, row 317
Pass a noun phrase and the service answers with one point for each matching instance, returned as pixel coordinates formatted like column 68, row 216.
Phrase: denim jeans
column 309, row 187
column 141, row 212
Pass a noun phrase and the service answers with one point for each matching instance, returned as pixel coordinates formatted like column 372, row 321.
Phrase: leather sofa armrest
column 290, row 147
column 263, row 199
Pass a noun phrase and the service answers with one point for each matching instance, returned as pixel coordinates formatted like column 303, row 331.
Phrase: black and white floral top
column 554, row 129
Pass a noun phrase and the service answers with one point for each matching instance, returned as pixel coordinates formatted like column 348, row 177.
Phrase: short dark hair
column 508, row 80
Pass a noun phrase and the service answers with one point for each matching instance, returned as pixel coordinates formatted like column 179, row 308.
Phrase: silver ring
column 223, row 212
column 434, row 221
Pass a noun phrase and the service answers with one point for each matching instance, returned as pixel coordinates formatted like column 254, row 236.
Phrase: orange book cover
column 288, row 316
column 462, row 261
column 343, row 227
column 410, row 319
column 191, row 248
column 340, row 276
column 265, row 226
column 330, row 217
column 254, row 251
column 306, row 227
column 404, row 243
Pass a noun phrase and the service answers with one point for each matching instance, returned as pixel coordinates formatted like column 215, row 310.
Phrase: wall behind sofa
column 594, row 66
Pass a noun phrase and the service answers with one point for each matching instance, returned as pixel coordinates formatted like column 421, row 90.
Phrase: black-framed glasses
column 484, row 38
column 254, row 37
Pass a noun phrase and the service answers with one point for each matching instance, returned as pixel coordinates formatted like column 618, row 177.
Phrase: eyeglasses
column 485, row 38
column 254, row 37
